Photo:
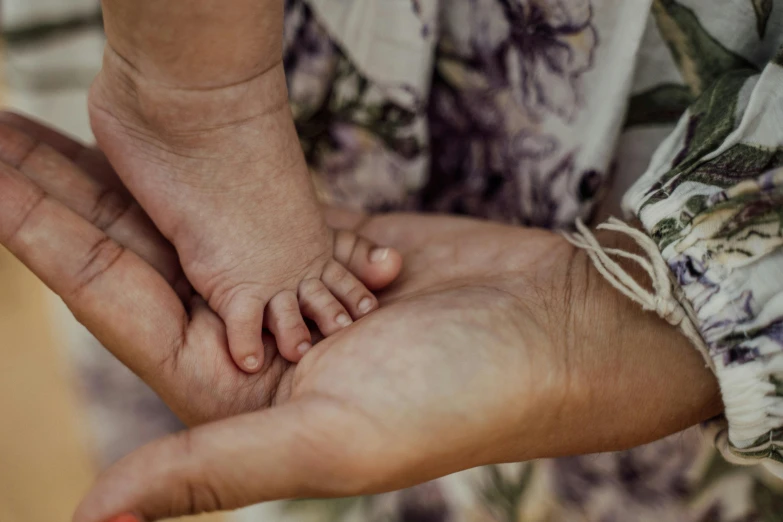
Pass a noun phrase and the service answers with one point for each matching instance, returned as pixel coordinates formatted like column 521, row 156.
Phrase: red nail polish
column 124, row 518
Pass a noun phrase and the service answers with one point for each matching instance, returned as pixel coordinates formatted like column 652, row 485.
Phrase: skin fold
column 495, row 344
column 191, row 108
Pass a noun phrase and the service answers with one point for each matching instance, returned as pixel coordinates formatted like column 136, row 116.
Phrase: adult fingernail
column 304, row 348
column 251, row 362
column 378, row 255
column 124, row 518
column 366, row 304
column 343, row 320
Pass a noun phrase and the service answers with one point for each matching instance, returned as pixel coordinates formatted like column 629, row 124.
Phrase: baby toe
column 347, row 288
column 244, row 318
column 285, row 322
column 320, row 305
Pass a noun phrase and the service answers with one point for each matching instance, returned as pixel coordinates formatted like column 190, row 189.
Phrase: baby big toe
column 374, row 266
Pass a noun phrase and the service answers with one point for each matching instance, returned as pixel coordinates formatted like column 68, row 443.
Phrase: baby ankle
column 179, row 113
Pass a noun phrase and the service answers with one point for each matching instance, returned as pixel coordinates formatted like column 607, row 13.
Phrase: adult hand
column 496, row 344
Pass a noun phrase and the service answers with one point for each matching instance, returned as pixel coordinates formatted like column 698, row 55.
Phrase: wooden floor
column 44, row 464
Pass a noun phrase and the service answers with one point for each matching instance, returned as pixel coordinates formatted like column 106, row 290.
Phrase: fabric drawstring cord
column 665, row 299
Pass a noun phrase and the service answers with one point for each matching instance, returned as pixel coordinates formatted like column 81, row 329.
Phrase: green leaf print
column 662, row 104
column 700, row 57
column 752, row 210
column 762, row 8
column 711, row 119
column 695, row 205
column 666, row 231
column 738, row 162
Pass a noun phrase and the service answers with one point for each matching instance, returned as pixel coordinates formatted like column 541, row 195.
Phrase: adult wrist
column 634, row 377
column 190, row 118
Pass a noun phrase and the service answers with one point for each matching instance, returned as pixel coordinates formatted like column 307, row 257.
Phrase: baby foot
column 221, row 173
column 334, row 300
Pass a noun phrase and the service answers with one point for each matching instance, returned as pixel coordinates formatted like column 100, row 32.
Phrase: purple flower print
column 359, row 171
column 550, row 45
column 474, row 160
column 309, row 57
column 502, row 67
column 481, row 169
column 536, row 49
column 651, row 477
column 687, row 270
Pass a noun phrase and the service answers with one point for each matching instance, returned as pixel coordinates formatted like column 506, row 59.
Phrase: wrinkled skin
column 496, row 344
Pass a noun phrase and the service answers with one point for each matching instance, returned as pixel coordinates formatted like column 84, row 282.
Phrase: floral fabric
column 722, row 172
column 539, row 112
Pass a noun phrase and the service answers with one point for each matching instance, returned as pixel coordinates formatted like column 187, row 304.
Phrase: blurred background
column 67, row 407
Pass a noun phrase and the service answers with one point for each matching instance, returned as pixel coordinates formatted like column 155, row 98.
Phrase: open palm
column 467, row 363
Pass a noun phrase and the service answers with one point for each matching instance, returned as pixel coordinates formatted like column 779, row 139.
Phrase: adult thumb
column 267, row 455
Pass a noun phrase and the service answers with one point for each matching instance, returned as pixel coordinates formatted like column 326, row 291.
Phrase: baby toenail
column 378, row 255
column 343, row 320
column 251, row 362
column 365, row 305
column 303, row 348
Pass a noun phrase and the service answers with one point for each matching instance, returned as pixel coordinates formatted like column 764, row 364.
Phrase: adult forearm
column 645, row 378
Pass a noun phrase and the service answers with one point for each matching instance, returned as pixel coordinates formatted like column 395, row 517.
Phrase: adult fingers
column 291, row 451
column 112, row 211
column 90, row 159
column 122, row 300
